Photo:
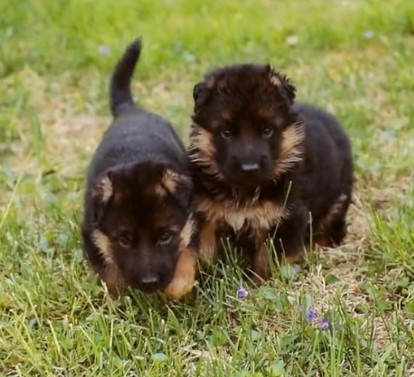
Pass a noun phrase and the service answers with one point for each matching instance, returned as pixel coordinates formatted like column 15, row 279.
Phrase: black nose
column 250, row 167
column 149, row 284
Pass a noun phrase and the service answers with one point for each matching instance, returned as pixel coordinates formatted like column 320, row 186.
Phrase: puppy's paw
column 179, row 288
column 184, row 277
column 294, row 258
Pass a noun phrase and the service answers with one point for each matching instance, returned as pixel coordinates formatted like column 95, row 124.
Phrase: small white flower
column 368, row 34
column 292, row 40
column 104, row 50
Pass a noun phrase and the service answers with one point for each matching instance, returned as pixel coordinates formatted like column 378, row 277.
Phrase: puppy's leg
column 113, row 280
column 184, row 275
column 260, row 266
column 333, row 226
column 290, row 236
column 288, row 241
column 207, row 241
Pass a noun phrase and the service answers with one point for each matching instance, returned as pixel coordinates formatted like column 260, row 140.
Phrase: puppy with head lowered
column 137, row 225
column 266, row 168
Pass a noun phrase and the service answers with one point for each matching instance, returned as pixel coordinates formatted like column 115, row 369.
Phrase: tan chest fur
column 258, row 215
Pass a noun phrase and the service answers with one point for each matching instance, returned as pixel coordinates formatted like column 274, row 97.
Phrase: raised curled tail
column 120, row 85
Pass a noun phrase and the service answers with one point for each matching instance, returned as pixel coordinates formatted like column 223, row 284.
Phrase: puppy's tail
column 120, row 85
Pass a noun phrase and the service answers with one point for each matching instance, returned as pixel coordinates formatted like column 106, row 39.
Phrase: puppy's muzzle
column 149, row 283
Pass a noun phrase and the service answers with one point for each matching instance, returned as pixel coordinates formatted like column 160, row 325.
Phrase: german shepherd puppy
column 266, row 168
column 137, row 224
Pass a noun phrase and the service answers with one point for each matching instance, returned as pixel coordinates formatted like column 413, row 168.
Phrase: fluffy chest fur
column 258, row 215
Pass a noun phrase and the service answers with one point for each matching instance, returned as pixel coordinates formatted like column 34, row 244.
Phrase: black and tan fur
column 137, row 225
column 264, row 167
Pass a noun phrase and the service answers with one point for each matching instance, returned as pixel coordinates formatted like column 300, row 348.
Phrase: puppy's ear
column 198, row 90
column 184, row 191
column 180, row 186
column 202, row 90
column 103, row 189
column 282, row 84
column 100, row 194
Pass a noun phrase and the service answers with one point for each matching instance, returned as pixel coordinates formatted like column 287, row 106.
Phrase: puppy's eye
column 124, row 241
column 165, row 237
column 267, row 132
column 226, row 133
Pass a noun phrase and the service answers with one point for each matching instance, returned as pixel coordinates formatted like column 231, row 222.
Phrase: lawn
column 345, row 312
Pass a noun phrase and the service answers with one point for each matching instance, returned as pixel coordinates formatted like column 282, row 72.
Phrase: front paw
column 184, row 276
column 179, row 287
column 260, row 266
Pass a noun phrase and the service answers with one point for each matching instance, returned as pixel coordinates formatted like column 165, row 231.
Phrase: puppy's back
column 328, row 159
column 135, row 134
column 324, row 134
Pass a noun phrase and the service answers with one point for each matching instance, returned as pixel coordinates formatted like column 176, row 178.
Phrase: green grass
column 353, row 58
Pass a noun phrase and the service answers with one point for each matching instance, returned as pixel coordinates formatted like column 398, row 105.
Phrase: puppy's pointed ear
column 180, row 186
column 103, row 188
column 100, row 194
column 184, row 192
column 198, row 89
column 283, row 85
column 201, row 91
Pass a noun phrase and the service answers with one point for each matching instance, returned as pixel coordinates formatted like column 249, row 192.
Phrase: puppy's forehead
column 147, row 211
column 135, row 191
column 139, row 181
column 148, row 197
column 148, row 191
column 238, row 113
column 241, row 87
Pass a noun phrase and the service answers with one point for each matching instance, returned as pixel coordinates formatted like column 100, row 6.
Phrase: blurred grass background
column 54, row 36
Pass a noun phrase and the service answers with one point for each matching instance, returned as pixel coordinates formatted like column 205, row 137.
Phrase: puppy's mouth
column 248, row 178
column 148, row 284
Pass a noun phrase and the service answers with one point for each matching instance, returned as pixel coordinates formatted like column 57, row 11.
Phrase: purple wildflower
column 311, row 315
column 325, row 323
column 318, row 321
column 241, row 293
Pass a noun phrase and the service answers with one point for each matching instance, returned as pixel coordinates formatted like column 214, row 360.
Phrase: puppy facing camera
column 138, row 225
column 264, row 165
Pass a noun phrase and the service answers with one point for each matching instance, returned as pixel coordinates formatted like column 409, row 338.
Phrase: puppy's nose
column 250, row 167
column 150, row 283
